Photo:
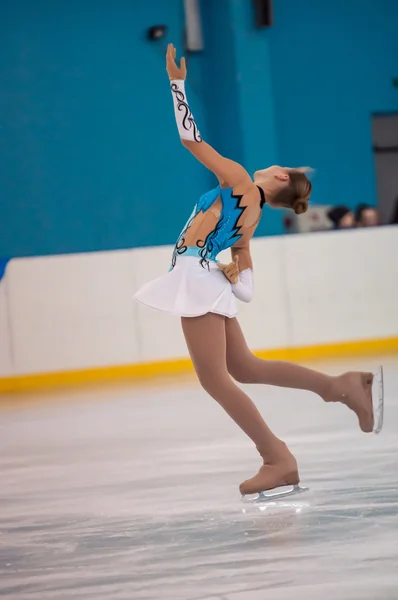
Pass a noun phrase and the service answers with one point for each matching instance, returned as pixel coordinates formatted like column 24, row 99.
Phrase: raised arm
column 229, row 172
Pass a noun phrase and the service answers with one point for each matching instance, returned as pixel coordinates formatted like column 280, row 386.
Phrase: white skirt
column 190, row 290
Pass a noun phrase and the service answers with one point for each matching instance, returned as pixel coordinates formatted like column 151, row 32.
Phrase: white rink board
column 6, row 363
column 342, row 285
column 72, row 311
column 76, row 311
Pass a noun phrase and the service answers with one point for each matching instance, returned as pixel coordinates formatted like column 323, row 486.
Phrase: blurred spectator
column 342, row 217
column 366, row 216
column 394, row 216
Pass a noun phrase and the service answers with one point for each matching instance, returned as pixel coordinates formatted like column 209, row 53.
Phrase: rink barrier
column 71, row 319
column 150, row 370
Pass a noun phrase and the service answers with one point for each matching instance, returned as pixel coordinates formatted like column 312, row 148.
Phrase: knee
column 242, row 371
column 240, row 376
column 213, row 382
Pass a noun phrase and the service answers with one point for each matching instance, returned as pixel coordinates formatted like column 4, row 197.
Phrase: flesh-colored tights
column 220, row 355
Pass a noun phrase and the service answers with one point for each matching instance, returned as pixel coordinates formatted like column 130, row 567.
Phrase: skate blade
column 378, row 400
column 275, row 494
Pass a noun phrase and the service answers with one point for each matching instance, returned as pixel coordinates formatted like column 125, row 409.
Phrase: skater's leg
column 352, row 389
column 206, row 341
column 205, row 337
column 245, row 367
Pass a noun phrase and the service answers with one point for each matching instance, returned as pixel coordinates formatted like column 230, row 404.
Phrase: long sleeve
column 244, row 289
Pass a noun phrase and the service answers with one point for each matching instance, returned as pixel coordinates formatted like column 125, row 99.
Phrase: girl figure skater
column 203, row 294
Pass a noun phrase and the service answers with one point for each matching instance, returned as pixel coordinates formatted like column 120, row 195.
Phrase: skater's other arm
column 240, row 273
column 227, row 171
column 244, row 257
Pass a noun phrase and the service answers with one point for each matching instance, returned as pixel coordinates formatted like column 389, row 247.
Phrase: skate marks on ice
column 137, row 498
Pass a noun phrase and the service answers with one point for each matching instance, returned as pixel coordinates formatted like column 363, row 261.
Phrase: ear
column 282, row 176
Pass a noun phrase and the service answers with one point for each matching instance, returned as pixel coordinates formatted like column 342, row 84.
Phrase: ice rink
column 131, row 493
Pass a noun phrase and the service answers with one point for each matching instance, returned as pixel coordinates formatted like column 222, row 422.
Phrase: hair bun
column 300, row 208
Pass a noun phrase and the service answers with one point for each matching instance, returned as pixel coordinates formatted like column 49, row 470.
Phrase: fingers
column 236, row 259
column 171, row 66
column 183, row 66
column 170, row 54
column 232, row 277
column 230, row 271
column 230, row 268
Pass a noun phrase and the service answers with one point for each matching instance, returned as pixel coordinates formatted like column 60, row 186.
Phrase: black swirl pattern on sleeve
column 187, row 119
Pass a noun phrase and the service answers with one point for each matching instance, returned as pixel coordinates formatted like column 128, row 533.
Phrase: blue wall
column 332, row 66
column 90, row 157
column 89, row 154
column 238, row 91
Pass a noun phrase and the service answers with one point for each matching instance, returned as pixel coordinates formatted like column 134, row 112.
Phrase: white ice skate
column 378, row 400
column 275, row 494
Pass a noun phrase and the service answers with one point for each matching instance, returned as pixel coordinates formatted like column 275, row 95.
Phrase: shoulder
column 242, row 182
column 250, row 193
column 245, row 187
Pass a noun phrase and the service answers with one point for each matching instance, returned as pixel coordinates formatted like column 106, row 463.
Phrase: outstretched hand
column 231, row 271
column 173, row 71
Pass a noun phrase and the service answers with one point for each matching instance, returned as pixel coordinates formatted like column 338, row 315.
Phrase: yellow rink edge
column 139, row 371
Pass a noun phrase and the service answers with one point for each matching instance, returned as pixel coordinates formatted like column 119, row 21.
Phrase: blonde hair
column 298, row 191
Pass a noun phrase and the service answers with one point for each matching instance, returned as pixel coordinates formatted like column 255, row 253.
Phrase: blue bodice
column 225, row 233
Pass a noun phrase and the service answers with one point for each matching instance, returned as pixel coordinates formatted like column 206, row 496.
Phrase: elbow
column 244, row 289
column 244, row 295
column 248, row 298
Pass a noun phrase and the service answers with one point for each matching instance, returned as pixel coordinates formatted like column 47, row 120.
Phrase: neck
column 263, row 198
column 266, row 191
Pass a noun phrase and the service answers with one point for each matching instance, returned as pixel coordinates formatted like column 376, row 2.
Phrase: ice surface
column 132, row 493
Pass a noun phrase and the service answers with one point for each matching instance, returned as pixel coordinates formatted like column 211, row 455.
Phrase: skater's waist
column 202, row 254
